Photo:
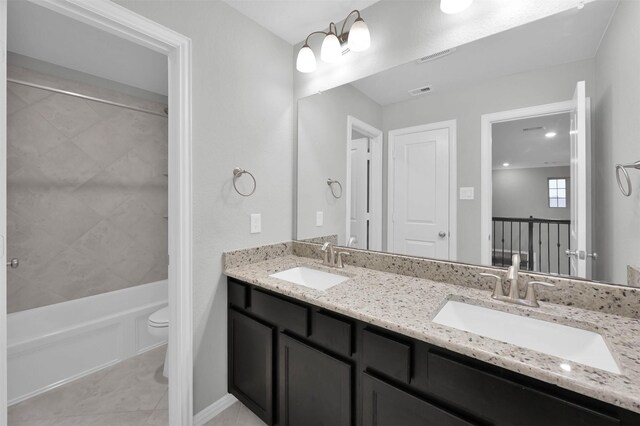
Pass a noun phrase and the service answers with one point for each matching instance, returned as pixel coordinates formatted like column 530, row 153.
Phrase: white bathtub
column 56, row 344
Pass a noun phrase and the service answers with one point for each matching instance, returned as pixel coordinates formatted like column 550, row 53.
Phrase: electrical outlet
column 256, row 223
column 319, row 218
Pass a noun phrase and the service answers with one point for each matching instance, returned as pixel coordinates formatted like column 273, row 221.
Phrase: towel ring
column 237, row 172
column 330, row 182
column 626, row 192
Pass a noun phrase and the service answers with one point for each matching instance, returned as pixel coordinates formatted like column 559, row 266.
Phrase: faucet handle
column 531, row 297
column 341, row 254
column 498, row 290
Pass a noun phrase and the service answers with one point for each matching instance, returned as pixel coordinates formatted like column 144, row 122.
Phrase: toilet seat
column 160, row 318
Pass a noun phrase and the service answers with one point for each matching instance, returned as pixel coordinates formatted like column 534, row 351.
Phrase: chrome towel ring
column 623, row 167
column 237, row 172
column 332, row 182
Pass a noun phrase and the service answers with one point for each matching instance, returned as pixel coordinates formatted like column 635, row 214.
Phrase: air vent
column 420, row 91
column 435, row 56
column 531, row 129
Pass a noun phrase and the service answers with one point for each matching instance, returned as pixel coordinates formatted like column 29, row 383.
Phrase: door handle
column 571, row 253
column 593, row 256
column 442, row 234
column 13, row 263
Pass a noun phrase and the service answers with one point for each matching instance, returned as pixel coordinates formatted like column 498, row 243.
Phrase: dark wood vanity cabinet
column 296, row 364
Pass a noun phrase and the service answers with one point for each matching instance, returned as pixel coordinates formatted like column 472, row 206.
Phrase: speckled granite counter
column 406, row 305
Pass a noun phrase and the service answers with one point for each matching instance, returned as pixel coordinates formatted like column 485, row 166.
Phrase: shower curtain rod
column 89, row 98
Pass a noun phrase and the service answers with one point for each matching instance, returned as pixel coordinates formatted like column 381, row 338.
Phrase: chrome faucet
column 331, row 257
column 530, row 296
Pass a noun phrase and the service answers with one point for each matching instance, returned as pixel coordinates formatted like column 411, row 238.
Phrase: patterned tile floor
column 130, row 393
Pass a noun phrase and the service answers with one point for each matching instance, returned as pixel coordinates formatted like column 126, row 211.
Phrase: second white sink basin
column 311, row 278
column 569, row 343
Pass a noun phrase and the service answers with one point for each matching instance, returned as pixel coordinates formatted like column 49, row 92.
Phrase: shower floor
column 132, row 392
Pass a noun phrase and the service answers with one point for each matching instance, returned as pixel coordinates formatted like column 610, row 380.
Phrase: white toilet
column 158, row 325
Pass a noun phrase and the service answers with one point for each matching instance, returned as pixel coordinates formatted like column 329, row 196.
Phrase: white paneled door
column 419, row 189
column 359, row 217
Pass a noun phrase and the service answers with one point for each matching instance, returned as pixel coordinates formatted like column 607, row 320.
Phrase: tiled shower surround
column 87, row 192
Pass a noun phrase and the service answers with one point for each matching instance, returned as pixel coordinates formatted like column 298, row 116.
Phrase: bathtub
column 53, row 345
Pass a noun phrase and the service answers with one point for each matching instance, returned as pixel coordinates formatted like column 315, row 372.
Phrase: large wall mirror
column 505, row 145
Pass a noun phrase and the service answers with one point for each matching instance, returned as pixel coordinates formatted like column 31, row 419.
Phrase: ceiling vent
column 435, row 56
column 420, row 90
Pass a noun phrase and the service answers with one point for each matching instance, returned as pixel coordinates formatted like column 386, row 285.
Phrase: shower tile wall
column 87, row 194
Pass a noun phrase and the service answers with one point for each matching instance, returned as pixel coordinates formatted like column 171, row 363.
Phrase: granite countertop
column 407, row 305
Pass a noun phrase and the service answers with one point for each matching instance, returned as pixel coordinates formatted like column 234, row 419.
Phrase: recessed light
column 550, row 135
column 505, row 164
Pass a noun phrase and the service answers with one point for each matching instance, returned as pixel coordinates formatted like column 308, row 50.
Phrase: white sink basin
column 311, row 278
column 569, row 343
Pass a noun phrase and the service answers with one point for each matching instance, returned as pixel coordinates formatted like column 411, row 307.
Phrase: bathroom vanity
column 366, row 351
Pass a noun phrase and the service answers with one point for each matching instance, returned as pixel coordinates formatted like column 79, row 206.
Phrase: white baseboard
column 208, row 413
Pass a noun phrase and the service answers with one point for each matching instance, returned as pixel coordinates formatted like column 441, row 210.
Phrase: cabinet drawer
column 501, row 401
column 332, row 333
column 237, row 293
column 387, row 355
column 386, row 405
column 280, row 312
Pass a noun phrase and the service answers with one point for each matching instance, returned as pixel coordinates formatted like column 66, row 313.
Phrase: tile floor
column 236, row 415
column 131, row 393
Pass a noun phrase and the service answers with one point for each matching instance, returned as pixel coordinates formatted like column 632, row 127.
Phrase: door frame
column 486, row 162
column 452, row 126
column 122, row 22
column 375, row 190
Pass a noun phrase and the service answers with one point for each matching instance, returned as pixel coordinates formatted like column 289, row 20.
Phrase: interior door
column 359, row 220
column 420, row 194
column 579, row 198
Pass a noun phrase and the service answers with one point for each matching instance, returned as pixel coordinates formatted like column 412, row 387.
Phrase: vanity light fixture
column 454, row 6
column 550, row 135
column 356, row 39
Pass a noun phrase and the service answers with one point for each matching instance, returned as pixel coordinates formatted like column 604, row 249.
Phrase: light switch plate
column 467, row 193
column 319, row 218
column 256, row 223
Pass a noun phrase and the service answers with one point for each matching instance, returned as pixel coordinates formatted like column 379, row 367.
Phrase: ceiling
column 525, row 149
column 563, row 38
column 293, row 20
column 40, row 33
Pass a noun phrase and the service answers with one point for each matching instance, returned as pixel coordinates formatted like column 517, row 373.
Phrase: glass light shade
column 330, row 51
column 359, row 38
column 306, row 61
column 454, row 6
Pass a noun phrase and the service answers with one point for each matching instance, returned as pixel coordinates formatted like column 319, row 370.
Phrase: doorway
column 119, row 21
column 421, row 213
column 538, row 159
column 363, row 186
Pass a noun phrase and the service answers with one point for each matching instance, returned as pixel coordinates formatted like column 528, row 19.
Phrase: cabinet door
column 251, row 364
column 315, row 388
column 386, row 405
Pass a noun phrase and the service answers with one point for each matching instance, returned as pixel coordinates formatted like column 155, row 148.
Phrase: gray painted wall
column 523, row 193
column 617, row 218
column 322, row 153
column 467, row 105
column 242, row 116
column 86, row 194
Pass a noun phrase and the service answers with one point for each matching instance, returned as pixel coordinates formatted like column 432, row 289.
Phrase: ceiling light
column 454, row 6
column 550, row 135
column 356, row 38
column 505, row 164
column 306, row 61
